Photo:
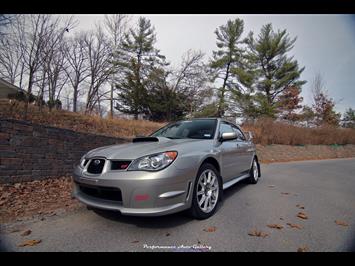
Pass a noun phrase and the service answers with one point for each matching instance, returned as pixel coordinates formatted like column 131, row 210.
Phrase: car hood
column 135, row 150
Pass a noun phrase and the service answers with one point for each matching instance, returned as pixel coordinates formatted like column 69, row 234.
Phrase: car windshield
column 190, row 129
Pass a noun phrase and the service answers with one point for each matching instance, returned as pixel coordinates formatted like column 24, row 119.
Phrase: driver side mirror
column 228, row 136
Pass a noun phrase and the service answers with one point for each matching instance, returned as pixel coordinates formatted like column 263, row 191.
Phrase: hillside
column 116, row 127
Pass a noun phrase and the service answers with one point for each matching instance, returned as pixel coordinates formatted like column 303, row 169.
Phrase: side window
column 240, row 134
column 225, row 128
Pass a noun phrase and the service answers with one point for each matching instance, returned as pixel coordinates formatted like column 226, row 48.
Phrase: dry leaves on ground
column 40, row 197
column 210, row 229
column 342, row 223
column 135, row 241
column 26, row 233
column 302, row 215
column 295, row 225
column 300, row 206
column 30, row 243
column 302, row 249
column 275, row 226
column 258, row 233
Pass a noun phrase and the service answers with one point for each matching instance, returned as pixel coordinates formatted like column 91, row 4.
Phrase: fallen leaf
column 26, row 233
column 285, row 193
column 135, row 241
column 271, row 186
column 276, row 226
column 210, row 229
column 30, row 243
column 302, row 215
column 338, row 222
column 300, row 206
column 168, row 234
column 257, row 233
column 302, row 249
column 295, row 225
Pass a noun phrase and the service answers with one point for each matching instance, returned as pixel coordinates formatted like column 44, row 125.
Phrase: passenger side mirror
column 228, row 136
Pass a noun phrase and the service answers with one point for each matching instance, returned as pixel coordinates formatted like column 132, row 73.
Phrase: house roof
column 7, row 88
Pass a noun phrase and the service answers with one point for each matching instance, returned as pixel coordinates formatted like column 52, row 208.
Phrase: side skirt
column 234, row 181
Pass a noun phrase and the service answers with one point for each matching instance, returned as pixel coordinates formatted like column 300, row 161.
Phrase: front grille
column 96, row 166
column 119, row 165
column 106, row 193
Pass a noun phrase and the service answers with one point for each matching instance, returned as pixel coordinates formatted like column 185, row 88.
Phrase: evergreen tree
column 138, row 57
column 274, row 71
column 227, row 61
column 349, row 118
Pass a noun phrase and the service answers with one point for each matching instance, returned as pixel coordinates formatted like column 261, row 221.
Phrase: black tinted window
column 192, row 129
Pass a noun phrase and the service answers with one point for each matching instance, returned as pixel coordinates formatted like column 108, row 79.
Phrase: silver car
column 185, row 165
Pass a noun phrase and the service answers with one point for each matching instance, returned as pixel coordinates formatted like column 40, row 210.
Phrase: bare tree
column 116, row 26
column 53, row 60
column 191, row 79
column 97, row 50
column 78, row 67
column 5, row 21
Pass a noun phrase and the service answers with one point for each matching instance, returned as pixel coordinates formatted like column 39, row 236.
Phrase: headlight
column 154, row 162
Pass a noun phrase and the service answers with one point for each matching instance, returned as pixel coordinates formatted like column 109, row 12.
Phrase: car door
column 245, row 152
column 229, row 153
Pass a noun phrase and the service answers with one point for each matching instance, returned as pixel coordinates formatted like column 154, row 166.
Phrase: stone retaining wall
column 32, row 152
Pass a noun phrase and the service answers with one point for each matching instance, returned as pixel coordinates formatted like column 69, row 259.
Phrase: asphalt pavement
column 326, row 190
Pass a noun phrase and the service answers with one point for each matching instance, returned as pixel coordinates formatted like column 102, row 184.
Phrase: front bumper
column 143, row 193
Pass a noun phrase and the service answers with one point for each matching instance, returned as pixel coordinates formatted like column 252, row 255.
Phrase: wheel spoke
column 205, row 204
column 201, row 192
column 213, row 180
column 203, row 198
column 208, row 177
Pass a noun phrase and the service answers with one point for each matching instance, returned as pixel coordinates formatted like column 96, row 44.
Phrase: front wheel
column 207, row 192
column 254, row 172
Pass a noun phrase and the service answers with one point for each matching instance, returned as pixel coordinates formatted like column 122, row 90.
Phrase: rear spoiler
column 145, row 139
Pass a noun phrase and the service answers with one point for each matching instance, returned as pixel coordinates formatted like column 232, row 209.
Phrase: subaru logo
column 97, row 162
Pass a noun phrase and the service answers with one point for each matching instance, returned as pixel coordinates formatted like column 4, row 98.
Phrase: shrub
column 266, row 132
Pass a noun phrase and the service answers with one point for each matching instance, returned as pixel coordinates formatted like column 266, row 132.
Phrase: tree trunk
column 111, row 101
column 221, row 109
column 75, row 99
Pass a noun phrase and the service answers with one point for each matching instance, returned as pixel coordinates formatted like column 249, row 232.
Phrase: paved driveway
column 326, row 190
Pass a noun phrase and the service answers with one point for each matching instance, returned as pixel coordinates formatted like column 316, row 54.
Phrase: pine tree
column 349, row 118
column 138, row 57
column 227, row 61
column 274, row 71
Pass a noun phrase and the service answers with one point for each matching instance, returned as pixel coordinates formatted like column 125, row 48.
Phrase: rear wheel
column 207, row 192
column 254, row 172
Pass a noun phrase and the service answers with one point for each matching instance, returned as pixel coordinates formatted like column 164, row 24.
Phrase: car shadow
column 165, row 221
column 229, row 192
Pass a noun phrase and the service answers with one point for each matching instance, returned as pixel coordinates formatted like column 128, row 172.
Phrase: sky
column 325, row 44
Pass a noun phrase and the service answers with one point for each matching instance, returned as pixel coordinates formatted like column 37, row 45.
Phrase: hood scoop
column 145, row 139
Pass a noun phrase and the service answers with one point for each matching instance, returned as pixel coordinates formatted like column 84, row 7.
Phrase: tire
column 212, row 195
column 254, row 172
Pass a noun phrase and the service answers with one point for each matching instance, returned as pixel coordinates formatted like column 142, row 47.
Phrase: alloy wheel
column 207, row 190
